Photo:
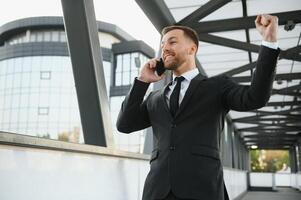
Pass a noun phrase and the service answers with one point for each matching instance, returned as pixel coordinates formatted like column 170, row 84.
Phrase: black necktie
column 174, row 97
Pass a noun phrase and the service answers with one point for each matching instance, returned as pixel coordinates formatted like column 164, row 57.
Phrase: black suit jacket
column 185, row 157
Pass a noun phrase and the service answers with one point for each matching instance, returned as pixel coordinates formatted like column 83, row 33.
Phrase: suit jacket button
column 172, row 148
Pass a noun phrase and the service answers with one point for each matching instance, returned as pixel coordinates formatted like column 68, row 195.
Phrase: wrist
column 141, row 78
column 270, row 38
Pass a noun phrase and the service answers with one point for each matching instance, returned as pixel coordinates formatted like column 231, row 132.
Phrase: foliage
column 64, row 136
column 268, row 160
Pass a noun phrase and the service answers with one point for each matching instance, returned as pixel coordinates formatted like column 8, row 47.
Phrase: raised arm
column 243, row 98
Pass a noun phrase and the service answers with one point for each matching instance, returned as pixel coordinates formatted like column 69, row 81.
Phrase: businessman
column 187, row 115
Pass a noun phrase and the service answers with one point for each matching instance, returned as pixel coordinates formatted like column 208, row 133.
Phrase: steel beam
column 284, row 92
column 81, row 28
column 284, row 103
column 241, row 69
column 265, row 128
column 157, row 12
column 243, row 22
column 267, row 135
column 203, row 11
column 284, row 77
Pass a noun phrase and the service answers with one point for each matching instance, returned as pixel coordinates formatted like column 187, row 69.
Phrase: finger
column 268, row 17
column 271, row 18
column 149, row 64
column 257, row 21
column 265, row 20
column 152, row 64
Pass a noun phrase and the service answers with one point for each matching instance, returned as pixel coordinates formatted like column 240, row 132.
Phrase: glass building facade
column 38, row 97
column 38, row 94
column 126, row 69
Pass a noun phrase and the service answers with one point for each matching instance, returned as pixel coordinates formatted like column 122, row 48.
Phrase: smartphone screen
column 160, row 69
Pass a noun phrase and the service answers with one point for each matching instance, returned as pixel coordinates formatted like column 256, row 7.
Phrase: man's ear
column 192, row 50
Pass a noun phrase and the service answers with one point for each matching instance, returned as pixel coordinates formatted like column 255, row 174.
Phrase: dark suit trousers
column 171, row 196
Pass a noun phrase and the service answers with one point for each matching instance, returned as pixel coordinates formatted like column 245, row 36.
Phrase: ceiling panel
column 171, row 4
column 231, row 10
column 255, row 7
column 180, row 9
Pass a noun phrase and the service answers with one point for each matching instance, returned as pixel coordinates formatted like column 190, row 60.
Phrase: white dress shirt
column 189, row 75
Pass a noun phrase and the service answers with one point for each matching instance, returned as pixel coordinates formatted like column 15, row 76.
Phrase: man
column 187, row 115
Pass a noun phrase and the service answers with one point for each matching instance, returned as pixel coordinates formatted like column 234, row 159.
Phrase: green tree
column 268, row 160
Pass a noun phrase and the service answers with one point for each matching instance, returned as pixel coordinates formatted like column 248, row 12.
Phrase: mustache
column 168, row 54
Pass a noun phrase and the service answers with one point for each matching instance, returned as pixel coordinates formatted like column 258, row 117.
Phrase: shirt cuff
column 272, row 45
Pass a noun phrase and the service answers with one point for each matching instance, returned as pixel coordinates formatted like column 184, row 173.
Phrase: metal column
column 293, row 159
column 86, row 58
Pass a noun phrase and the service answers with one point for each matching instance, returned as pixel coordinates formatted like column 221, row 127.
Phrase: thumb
column 257, row 20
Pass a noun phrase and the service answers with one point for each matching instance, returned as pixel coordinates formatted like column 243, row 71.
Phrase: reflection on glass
column 38, row 36
column 126, row 67
column 38, row 102
column 38, row 96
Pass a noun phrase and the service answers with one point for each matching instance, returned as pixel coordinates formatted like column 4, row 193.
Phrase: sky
column 126, row 14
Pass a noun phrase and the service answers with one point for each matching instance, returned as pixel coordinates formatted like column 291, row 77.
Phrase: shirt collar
column 189, row 75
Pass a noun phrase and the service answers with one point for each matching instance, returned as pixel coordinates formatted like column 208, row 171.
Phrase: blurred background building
column 37, row 89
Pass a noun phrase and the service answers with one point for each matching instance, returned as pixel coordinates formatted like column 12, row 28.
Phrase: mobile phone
column 160, row 69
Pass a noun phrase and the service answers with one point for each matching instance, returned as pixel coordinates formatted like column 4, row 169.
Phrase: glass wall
column 38, row 36
column 134, row 141
column 127, row 67
column 38, row 97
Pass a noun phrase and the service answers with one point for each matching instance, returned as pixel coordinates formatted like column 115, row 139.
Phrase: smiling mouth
column 167, row 56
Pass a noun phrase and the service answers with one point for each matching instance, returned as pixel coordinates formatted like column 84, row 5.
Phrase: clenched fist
column 267, row 25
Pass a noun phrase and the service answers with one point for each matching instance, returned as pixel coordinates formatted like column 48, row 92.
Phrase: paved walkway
column 280, row 194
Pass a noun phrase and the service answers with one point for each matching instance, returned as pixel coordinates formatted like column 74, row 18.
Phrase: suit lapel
column 190, row 90
column 163, row 99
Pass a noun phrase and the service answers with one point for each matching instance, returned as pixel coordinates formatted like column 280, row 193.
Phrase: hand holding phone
column 160, row 68
column 152, row 71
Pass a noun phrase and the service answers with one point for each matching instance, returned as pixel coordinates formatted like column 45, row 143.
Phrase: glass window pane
column 39, row 36
column 126, row 78
column 126, row 62
column 63, row 36
column 47, row 36
column 33, row 36
column 119, row 63
column 118, row 79
column 55, row 36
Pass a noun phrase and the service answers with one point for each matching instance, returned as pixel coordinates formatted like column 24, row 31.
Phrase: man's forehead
column 176, row 33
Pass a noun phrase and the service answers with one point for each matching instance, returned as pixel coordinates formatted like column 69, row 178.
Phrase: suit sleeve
column 243, row 98
column 133, row 115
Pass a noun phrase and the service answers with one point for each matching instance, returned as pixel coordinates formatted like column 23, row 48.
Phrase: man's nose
column 165, row 48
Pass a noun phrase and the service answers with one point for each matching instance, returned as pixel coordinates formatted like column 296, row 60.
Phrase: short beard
column 173, row 65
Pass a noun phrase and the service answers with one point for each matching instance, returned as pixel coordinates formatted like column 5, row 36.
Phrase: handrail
column 43, row 143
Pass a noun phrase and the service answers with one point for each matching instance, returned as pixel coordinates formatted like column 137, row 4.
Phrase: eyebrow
column 171, row 38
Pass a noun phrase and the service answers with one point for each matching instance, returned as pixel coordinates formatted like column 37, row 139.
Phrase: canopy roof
column 229, row 44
